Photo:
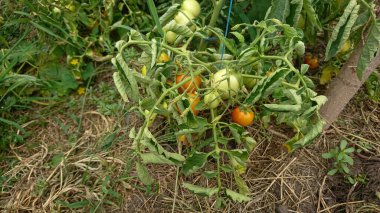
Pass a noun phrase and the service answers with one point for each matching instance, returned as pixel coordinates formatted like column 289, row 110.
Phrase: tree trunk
column 346, row 85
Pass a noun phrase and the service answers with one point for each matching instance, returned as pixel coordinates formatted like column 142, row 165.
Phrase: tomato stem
column 217, row 150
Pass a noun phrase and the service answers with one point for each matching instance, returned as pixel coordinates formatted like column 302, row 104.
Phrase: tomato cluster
column 224, row 85
column 190, row 9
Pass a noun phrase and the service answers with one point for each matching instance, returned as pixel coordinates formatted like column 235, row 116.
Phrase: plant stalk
column 214, row 18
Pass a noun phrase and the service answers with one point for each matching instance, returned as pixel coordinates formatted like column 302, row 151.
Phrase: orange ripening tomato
column 311, row 60
column 189, row 86
column 243, row 116
column 194, row 100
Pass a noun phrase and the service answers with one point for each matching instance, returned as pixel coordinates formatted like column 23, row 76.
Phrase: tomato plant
column 206, row 89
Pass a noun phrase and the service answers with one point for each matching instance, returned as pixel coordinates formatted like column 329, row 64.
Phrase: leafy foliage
column 282, row 92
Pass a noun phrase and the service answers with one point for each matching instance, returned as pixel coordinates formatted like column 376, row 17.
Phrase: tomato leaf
column 143, row 174
column 283, row 107
column 295, row 12
column 237, row 197
column 342, row 30
column 200, row 190
column 370, row 48
column 312, row 133
column 241, row 184
column 155, row 159
column 279, row 10
column 194, row 162
column 179, row 29
column 169, row 14
column 265, row 83
column 120, row 86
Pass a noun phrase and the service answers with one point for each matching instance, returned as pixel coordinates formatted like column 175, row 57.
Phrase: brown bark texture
column 346, row 85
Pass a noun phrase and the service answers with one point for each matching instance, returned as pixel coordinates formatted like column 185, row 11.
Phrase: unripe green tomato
column 249, row 83
column 71, row 7
column 56, row 10
column 300, row 48
column 183, row 17
column 227, row 84
column 170, row 37
column 301, row 22
column 212, row 99
column 191, row 6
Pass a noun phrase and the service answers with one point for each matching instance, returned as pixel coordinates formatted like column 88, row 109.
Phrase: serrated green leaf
column 361, row 20
column 155, row 158
column 169, row 14
column 182, row 30
column 199, row 190
column 237, row 197
column 280, row 10
column 283, row 107
column 342, row 30
column 209, row 174
column 292, row 95
column 154, row 53
column 312, row 133
column 143, row 174
column 265, row 83
column 242, row 185
column 235, row 133
column 289, row 31
column 120, row 86
column 123, row 67
column 194, row 162
column 320, row 100
column 295, row 12
column 371, row 46
column 239, row 36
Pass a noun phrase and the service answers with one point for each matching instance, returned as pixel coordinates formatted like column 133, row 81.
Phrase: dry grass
column 277, row 179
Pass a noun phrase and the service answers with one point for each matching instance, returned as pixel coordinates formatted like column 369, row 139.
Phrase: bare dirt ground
column 57, row 166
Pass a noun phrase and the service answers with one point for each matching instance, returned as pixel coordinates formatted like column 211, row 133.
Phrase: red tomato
column 311, row 60
column 243, row 116
column 194, row 100
column 189, row 86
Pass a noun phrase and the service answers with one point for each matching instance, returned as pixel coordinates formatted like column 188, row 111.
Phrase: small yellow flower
column 81, row 90
column 74, row 61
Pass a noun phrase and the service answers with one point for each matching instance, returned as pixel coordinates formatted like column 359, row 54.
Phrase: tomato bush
column 201, row 91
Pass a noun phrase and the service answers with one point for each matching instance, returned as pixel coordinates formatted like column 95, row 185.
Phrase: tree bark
column 345, row 86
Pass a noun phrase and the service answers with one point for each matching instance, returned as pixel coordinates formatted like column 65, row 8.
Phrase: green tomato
column 300, row 48
column 183, row 17
column 301, row 22
column 191, row 6
column 170, row 37
column 212, row 99
column 227, row 84
column 249, row 83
